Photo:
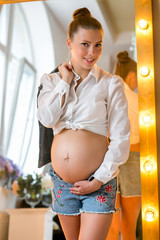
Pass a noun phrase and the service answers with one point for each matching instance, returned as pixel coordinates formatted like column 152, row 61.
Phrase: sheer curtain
column 17, row 85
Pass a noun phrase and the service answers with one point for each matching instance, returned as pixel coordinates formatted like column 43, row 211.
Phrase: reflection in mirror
column 33, row 42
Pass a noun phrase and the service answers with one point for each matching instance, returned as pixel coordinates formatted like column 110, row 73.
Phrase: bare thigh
column 70, row 226
column 115, row 226
column 130, row 208
column 94, row 226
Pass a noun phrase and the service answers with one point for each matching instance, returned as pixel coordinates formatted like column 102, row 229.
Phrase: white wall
column 59, row 37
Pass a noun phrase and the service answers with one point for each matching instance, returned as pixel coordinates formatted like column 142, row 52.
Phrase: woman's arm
column 119, row 131
column 133, row 114
column 50, row 100
column 53, row 95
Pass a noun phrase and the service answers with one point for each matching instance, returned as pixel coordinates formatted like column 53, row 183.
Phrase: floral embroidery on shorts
column 108, row 188
column 108, row 196
column 57, row 194
column 60, row 191
column 101, row 199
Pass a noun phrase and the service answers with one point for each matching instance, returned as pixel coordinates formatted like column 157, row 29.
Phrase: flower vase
column 7, row 199
column 32, row 198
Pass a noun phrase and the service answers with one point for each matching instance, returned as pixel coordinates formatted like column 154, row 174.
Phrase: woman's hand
column 85, row 187
column 66, row 73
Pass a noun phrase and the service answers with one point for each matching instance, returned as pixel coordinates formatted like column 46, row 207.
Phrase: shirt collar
column 93, row 72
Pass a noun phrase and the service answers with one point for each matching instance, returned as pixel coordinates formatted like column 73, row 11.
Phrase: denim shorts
column 63, row 202
column 129, row 178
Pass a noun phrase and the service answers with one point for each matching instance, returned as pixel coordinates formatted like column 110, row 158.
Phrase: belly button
column 67, row 157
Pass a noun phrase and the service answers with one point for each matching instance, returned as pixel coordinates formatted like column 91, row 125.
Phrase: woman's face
column 86, row 48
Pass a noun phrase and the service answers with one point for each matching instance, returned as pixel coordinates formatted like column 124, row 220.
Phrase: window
column 22, row 110
column 4, row 25
column 18, row 82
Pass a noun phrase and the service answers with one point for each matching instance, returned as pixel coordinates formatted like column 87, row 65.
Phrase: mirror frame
column 147, row 107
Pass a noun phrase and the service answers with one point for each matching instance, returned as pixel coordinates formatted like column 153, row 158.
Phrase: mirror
column 22, row 35
column 32, row 41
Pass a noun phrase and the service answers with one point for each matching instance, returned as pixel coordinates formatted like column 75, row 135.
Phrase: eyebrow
column 90, row 42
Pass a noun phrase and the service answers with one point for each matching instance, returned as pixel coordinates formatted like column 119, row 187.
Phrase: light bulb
column 144, row 71
column 147, row 119
column 143, row 24
column 148, row 166
column 149, row 214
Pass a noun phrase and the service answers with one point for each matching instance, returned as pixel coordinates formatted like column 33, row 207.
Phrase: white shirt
column 133, row 114
column 99, row 105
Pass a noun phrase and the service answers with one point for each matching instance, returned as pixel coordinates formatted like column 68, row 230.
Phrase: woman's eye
column 85, row 44
column 98, row 45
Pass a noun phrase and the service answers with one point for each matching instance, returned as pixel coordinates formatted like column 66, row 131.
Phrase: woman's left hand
column 85, row 187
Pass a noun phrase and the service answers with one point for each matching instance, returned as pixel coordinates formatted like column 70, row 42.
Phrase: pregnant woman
column 84, row 105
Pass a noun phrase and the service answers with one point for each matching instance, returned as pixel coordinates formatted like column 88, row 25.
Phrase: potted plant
column 34, row 188
column 30, row 187
column 9, row 172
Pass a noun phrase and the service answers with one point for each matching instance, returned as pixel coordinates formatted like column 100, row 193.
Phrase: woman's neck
column 83, row 73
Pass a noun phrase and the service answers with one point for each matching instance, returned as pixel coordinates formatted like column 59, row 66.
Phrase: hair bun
column 81, row 12
column 123, row 57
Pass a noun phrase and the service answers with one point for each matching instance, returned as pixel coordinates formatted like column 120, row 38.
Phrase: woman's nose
column 91, row 50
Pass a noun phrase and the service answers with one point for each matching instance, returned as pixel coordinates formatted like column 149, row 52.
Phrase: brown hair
column 83, row 18
column 125, row 65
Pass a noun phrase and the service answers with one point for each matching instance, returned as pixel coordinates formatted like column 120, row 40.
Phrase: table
column 30, row 223
column 4, row 221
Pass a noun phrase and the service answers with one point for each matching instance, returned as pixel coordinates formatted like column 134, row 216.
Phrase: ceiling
column 117, row 16
column 121, row 14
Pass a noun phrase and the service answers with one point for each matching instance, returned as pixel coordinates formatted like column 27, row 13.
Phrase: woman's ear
column 69, row 43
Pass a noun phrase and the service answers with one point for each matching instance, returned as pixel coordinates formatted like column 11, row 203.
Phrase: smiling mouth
column 89, row 60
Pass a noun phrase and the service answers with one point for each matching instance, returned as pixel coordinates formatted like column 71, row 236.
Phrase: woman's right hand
column 85, row 187
column 66, row 73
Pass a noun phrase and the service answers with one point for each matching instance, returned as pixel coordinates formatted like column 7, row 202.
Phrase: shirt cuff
column 62, row 87
column 102, row 175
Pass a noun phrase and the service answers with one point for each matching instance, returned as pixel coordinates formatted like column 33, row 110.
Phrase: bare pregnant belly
column 76, row 155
